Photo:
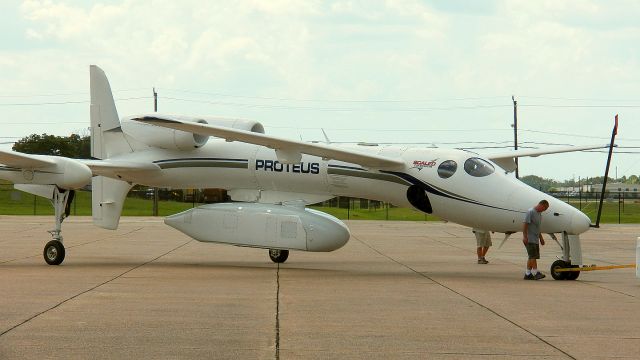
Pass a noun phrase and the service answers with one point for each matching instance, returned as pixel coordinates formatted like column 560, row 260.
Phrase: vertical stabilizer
column 107, row 138
column 107, row 199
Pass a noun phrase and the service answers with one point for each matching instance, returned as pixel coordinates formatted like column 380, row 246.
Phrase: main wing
column 287, row 150
column 19, row 160
column 506, row 160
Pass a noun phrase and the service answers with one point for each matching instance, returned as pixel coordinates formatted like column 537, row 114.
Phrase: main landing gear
column 278, row 256
column 571, row 250
column 54, row 250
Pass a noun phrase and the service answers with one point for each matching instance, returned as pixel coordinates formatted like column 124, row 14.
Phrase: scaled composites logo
column 421, row 164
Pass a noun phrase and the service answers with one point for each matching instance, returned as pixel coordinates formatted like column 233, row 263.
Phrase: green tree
column 539, row 183
column 73, row 146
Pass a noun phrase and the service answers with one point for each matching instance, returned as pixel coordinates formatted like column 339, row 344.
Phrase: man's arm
column 525, row 238
column 541, row 239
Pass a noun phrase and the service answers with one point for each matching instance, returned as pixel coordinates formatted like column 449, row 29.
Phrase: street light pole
column 515, row 132
column 155, row 190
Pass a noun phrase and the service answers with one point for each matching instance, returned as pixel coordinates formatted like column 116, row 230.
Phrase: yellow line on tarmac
column 594, row 268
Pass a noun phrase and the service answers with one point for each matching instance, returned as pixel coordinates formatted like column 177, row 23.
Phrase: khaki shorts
column 533, row 250
column 483, row 239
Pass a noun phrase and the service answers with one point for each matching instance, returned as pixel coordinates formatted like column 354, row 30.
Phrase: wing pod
column 263, row 226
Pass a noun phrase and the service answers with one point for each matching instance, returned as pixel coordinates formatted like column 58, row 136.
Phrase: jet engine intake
column 164, row 138
column 171, row 139
column 418, row 198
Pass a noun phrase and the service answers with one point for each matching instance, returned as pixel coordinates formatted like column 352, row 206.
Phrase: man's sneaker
column 539, row 276
column 530, row 277
column 482, row 261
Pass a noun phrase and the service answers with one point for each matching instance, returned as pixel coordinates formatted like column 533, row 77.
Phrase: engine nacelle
column 171, row 139
column 265, row 226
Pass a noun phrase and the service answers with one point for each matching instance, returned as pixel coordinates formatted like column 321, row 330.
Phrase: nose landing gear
column 571, row 250
column 563, row 275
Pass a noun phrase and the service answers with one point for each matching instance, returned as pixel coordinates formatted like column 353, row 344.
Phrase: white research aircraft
column 272, row 178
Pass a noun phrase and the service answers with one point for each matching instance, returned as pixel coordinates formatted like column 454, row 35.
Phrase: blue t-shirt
column 533, row 218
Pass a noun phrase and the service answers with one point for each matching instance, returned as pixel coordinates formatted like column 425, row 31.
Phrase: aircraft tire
column 558, row 264
column 278, row 256
column 53, row 252
column 573, row 275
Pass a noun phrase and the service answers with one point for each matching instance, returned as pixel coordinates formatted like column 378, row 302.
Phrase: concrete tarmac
column 396, row 290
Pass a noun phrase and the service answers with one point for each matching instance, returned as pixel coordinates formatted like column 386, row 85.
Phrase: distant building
column 618, row 188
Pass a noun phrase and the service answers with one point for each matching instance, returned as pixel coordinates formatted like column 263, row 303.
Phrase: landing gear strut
column 54, row 252
column 278, row 256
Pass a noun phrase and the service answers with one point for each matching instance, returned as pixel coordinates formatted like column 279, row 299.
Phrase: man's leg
column 484, row 251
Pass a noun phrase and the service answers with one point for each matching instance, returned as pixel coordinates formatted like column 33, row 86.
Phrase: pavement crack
column 277, row 355
column 90, row 289
column 466, row 297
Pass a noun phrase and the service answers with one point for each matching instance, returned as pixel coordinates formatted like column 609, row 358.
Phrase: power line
column 582, row 106
column 64, row 93
column 332, row 100
column 345, row 109
column 44, row 123
column 574, row 99
column 67, row 102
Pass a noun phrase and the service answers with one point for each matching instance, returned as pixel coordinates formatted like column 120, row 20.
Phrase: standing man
column 483, row 240
column 532, row 239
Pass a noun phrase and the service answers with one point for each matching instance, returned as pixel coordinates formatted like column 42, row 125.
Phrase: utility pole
column 155, row 190
column 515, row 131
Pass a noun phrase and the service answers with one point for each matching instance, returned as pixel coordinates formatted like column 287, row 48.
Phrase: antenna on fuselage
column 326, row 138
column 606, row 173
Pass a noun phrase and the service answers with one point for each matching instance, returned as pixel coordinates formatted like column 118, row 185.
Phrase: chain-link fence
column 618, row 207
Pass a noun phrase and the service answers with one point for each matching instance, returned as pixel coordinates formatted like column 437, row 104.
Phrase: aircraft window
column 447, row 169
column 478, row 167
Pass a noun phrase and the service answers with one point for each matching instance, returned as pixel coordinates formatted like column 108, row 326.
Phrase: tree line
column 73, row 146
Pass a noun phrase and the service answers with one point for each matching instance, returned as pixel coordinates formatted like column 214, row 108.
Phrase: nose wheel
column 563, row 275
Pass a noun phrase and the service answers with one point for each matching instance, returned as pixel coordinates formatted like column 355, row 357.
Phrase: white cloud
column 395, row 49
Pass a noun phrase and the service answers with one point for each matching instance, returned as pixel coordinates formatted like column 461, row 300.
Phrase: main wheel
column 559, row 264
column 53, row 252
column 278, row 256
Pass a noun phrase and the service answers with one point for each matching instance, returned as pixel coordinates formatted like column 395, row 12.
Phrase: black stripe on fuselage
column 444, row 193
column 35, row 171
column 9, row 168
column 406, row 179
column 362, row 173
column 203, row 162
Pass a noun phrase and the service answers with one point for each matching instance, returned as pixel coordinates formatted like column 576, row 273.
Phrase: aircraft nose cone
column 579, row 223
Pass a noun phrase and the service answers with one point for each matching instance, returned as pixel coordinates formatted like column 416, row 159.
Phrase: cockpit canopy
column 478, row 167
column 475, row 167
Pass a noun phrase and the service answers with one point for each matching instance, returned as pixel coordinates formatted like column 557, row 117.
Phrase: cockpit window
column 447, row 169
column 478, row 167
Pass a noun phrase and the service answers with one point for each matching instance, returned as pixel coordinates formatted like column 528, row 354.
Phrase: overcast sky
column 432, row 72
